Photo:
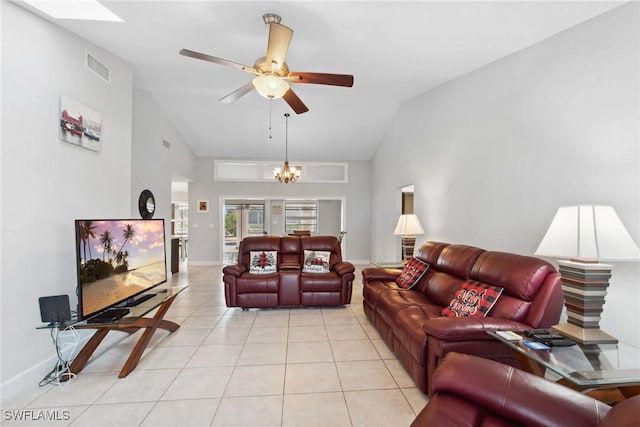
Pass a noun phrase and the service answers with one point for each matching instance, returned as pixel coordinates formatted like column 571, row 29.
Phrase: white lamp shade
column 270, row 86
column 588, row 232
column 408, row 225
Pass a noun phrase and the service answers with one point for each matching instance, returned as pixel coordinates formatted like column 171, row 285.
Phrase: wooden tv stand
column 130, row 324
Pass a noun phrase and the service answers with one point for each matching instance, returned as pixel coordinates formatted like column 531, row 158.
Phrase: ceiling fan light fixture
column 270, row 87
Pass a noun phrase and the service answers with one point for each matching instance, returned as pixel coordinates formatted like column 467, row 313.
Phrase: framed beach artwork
column 80, row 125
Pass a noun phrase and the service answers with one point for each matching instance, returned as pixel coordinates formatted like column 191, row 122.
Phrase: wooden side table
column 130, row 325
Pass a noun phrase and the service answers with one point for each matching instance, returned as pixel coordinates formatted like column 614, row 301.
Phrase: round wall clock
column 146, row 204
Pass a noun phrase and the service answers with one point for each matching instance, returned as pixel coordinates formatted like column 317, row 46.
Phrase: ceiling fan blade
column 294, row 102
column 216, row 60
column 279, row 39
column 322, row 78
column 237, row 94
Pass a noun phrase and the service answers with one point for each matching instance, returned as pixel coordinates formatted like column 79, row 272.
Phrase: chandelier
column 286, row 174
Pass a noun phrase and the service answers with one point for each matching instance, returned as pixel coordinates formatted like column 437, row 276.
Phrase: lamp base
column 584, row 336
column 408, row 245
column 584, row 287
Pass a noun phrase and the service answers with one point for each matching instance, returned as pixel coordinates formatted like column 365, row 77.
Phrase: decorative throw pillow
column 413, row 270
column 473, row 299
column 316, row 261
column 263, row 262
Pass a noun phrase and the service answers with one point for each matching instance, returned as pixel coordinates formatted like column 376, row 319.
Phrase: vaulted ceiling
column 396, row 50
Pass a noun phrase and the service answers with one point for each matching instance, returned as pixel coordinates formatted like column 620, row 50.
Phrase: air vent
column 166, row 144
column 94, row 64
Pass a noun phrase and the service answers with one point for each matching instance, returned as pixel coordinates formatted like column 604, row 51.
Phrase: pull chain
column 270, row 137
column 286, row 137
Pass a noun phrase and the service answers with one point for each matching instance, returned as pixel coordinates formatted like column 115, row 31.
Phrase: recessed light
column 75, row 9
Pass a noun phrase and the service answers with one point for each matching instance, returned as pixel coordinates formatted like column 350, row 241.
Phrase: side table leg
column 142, row 343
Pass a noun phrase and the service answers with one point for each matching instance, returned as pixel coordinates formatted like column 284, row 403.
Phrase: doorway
column 407, row 200
column 240, row 220
column 407, row 245
column 179, row 223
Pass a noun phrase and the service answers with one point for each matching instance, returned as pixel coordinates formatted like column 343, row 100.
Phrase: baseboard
column 26, row 384
column 204, row 263
column 365, row 262
column 19, row 390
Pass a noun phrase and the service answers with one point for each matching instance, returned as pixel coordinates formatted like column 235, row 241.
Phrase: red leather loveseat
column 476, row 392
column 412, row 323
column 288, row 285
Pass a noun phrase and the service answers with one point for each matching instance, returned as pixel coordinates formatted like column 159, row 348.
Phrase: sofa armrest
column 234, row 270
column 469, row 328
column 516, row 396
column 343, row 267
column 382, row 274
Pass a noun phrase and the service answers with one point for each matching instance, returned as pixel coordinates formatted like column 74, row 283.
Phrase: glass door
column 240, row 220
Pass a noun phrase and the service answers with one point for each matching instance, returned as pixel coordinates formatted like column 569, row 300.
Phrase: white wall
column 329, row 212
column 494, row 153
column 204, row 232
column 153, row 164
column 47, row 183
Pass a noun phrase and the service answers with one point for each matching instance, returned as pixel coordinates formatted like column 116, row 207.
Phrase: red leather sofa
column 411, row 321
column 471, row 391
column 289, row 286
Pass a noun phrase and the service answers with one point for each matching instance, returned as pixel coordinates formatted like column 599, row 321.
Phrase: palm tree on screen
column 87, row 232
column 106, row 240
column 128, row 232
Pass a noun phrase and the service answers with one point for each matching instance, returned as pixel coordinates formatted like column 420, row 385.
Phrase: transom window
column 299, row 216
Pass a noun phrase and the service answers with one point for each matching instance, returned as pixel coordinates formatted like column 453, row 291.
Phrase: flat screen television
column 117, row 260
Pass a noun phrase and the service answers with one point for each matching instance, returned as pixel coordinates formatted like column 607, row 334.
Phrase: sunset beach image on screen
column 116, row 260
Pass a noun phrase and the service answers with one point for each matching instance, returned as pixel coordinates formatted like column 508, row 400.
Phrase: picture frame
column 203, row 206
column 79, row 125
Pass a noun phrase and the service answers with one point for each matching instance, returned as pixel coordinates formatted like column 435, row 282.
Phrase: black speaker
column 55, row 309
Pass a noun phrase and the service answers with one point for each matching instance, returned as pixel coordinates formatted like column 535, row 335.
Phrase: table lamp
column 407, row 227
column 586, row 234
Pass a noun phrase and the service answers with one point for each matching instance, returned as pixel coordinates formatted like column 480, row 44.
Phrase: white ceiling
column 396, row 50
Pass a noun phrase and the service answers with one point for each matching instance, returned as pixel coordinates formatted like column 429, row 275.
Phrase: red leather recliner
column 289, row 286
column 476, row 392
column 411, row 321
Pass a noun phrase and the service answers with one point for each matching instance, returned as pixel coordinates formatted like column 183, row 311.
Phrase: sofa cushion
column 473, row 299
column 314, row 282
column 411, row 274
column 520, row 276
column 265, row 284
column 448, row 272
column 263, row 262
column 393, row 300
column 316, row 261
column 289, row 253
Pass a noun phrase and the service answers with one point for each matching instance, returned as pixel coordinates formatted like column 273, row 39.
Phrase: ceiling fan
column 272, row 72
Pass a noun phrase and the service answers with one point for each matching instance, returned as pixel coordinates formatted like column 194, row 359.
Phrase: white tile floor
column 273, row 367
